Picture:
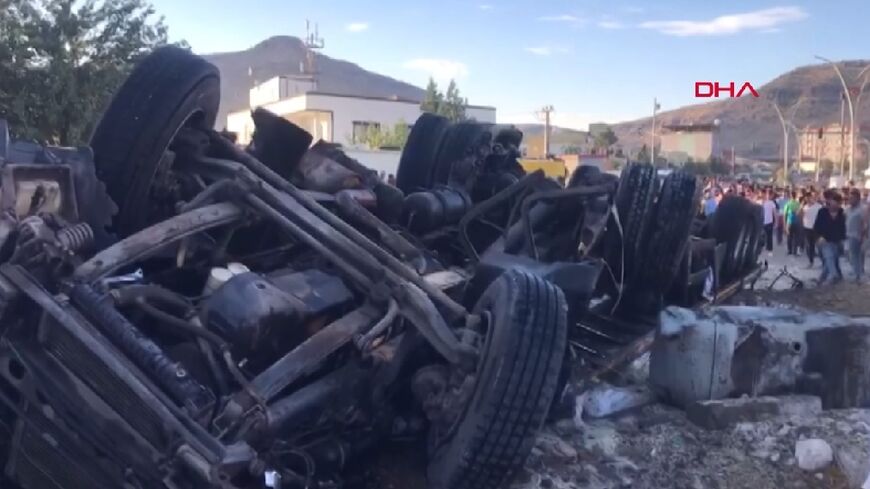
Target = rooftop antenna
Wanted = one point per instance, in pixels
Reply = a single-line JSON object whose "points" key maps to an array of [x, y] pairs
{"points": [[313, 43]]}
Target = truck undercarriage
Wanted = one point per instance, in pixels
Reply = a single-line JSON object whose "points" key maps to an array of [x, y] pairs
{"points": [[180, 312]]}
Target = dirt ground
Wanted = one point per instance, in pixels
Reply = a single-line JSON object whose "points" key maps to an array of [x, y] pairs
{"points": [[847, 297]]}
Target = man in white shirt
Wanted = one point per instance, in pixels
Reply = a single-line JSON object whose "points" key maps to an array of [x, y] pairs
{"points": [[811, 210], [769, 219]]}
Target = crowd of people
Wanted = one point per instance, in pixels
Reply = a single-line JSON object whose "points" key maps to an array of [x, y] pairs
{"points": [[828, 224]]}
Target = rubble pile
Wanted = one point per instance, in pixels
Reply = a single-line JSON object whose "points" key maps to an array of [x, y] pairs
{"points": [[657, 432]]}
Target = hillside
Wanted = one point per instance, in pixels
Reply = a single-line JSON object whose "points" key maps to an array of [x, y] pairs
{"points": [[750, 124], [283, 55]]}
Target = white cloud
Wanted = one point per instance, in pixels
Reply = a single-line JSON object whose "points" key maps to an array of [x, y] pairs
{"points": [[758, 20], [441, 70], [539, 50], [485, 6], [560, 18], [547, 49], [610, 24], [357, 27]]}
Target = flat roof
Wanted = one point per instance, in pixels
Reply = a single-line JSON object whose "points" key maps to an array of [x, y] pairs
{"points": [[361, 97], [691, 127]]}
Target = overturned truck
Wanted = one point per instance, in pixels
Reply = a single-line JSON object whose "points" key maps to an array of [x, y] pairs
{"points": [[179, 312]]}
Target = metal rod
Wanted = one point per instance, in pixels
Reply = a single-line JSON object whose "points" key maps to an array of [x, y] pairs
{"points": [[494, 201], [391, 239], [151, 240]]}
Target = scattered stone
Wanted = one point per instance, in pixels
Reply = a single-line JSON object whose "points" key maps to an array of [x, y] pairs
{"points": [[606, 400], [552, 445], [720, 414], [774, 458], [601, 438], [565, 426], [813, 454]]}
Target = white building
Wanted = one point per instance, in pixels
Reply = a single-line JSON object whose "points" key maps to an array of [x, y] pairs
{"points": [[329, 116]]}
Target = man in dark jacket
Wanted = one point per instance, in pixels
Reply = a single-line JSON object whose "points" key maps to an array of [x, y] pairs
{"points": [[831, 228]]}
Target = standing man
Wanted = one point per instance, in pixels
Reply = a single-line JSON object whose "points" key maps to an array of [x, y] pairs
{"points": [[831, 228], [811, 209], [780, 200], [792, 223], [856, 230], [769, 207], [711, 202]]}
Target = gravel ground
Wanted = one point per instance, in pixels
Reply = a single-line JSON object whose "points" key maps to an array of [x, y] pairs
{"points": [[658, 447]]}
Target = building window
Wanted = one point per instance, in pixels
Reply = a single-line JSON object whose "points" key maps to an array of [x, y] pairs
{"points": [[361, 128]]}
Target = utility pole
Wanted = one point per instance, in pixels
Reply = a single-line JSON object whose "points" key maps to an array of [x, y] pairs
{"points": [[545, 114], [848, 96], [652, 142], [733, 161]]}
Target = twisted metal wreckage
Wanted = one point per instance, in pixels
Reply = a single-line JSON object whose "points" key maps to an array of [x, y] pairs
{"points": [[180, 312]]}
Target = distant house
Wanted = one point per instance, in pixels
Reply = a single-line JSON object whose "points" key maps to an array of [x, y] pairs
{"points": [[831, 143], [681, 143], [332, 117]]}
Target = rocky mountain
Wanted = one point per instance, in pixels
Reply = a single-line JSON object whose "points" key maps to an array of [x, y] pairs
{"points": [[751, 125], [284, 55]]}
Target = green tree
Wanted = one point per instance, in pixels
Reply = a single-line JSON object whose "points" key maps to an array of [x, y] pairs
{"points": [[451, 105], [454, 103], [66, 59], [377, 137], [605, 139], [433, 100]]}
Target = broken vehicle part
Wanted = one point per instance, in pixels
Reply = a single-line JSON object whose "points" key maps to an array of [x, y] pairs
{"points": [[267, 313]]}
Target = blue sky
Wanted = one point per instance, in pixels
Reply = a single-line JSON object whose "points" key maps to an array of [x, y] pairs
{"points": [[591, 59]]}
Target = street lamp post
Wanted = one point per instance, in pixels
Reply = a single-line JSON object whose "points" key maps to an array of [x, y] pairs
{"points": [[866, 74], [784, 142], [851, 116], [652, 142], [786, 123], [866, 144]]}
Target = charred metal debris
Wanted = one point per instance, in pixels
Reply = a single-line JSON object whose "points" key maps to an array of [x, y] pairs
{"points": [[177, 311]]}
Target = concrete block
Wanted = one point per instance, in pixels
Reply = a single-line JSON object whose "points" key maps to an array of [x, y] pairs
{"points": [[722, 413]]}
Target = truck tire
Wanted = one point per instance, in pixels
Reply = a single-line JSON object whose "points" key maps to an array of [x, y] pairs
{"points": [[417, 162], [728, 225], [519, 367], [756, 242], [670, 231], [634, 202], [460, 140], [169, 89]]}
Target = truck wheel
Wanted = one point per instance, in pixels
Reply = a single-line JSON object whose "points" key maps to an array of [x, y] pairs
{"points": [[523, 341], [634, 202], [171, 88], [728, 226], [756, 219], [417, 162], [670, 231], [460, 140]]}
